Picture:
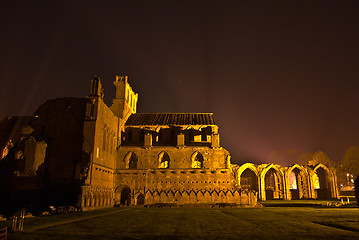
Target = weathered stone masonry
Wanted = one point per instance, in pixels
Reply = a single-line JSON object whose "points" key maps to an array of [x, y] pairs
{"points": [[87, 154]]}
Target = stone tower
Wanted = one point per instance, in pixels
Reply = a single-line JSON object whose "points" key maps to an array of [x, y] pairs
{"points": [[125, 101]]}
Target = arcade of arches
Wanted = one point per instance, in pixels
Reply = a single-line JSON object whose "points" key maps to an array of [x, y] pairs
{"points": [[255, 182], [288, 183]]}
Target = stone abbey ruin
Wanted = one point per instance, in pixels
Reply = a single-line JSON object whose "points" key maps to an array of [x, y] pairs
{"points": [[80, 152]]}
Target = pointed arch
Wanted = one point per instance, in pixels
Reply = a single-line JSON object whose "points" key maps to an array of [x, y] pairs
{"points": [[171, 196], [139, 199], [185, 197], [156, 196], [197, 160], [131, 160], [248, 176], [272, 183], [297, 182], [163, 160], [192, 196], [325, 187], [123, 195]]}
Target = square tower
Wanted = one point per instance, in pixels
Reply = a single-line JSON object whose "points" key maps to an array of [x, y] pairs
{"points": [[125, 101]]}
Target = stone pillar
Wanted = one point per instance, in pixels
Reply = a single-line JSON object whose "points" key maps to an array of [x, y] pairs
{"points": [[215, 140], [180, 140], [148, 140]]}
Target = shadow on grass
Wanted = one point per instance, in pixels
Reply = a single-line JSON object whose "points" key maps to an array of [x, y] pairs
{"points": [[336, 225]]}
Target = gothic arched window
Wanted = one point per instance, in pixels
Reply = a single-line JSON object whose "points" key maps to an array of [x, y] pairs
{"points": [[131, 160], [164, 160], [197, 160]]}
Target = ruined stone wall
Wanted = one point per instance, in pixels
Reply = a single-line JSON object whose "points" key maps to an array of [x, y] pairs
{"points": [[175, 179], [60, 123], [273, 181], [182, 186], [100, 147], [105, 135], [34, 155], [179, 157]]}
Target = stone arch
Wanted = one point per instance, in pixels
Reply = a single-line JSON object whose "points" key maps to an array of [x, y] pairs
{"points": [[178, 196], [149, 197], [229, 195], [215, 196], [163, 160], [91, 200], [200, 197], [297, 180], [163, 196], [86, 201], [171, 196], [108, 197], [248, 176], [123, 195], [207, 197], [244, 197], [236, 196], [99, 197], [222, 196], [185, 197], [95, 204], [272, 183], [325, 188], [192, 197], [139, 199], [156, 197], [131, 160], [105, 198], [197, 160]]}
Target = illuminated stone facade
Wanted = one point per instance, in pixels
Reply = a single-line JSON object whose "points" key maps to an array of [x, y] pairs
{"points": [[81, 152], [273, 181], [154, 158]]}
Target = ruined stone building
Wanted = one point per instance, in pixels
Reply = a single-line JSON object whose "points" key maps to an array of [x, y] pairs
{"points": [[79, 151]]}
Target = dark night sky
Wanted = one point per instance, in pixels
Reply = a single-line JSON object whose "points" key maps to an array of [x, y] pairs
{"points": [[276, 75]]}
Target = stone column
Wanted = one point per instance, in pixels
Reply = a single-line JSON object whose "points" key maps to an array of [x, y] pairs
{"points": [[180, 140], [148, 140], [215, 140]]}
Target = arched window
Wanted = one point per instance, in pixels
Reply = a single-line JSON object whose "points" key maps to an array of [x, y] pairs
{"points": [[164, 160], [273, 184], [197, 160], [131, 160], [249, 180]]}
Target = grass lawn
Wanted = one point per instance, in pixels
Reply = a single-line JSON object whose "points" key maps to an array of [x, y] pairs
{"points": [[196, 223]]}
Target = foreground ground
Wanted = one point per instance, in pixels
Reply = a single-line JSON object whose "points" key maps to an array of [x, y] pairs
{"points": [[196, 223]]}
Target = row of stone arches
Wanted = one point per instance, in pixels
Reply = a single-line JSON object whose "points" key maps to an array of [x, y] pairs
{"points": [[97, 200], [295, 182], [124, 196], [131, 160]]}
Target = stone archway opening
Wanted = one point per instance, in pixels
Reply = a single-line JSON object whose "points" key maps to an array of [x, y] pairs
{"points": [[249, 180], [273, 185], [323, 190], [123, 196], [140, 199], [298, 184]]}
